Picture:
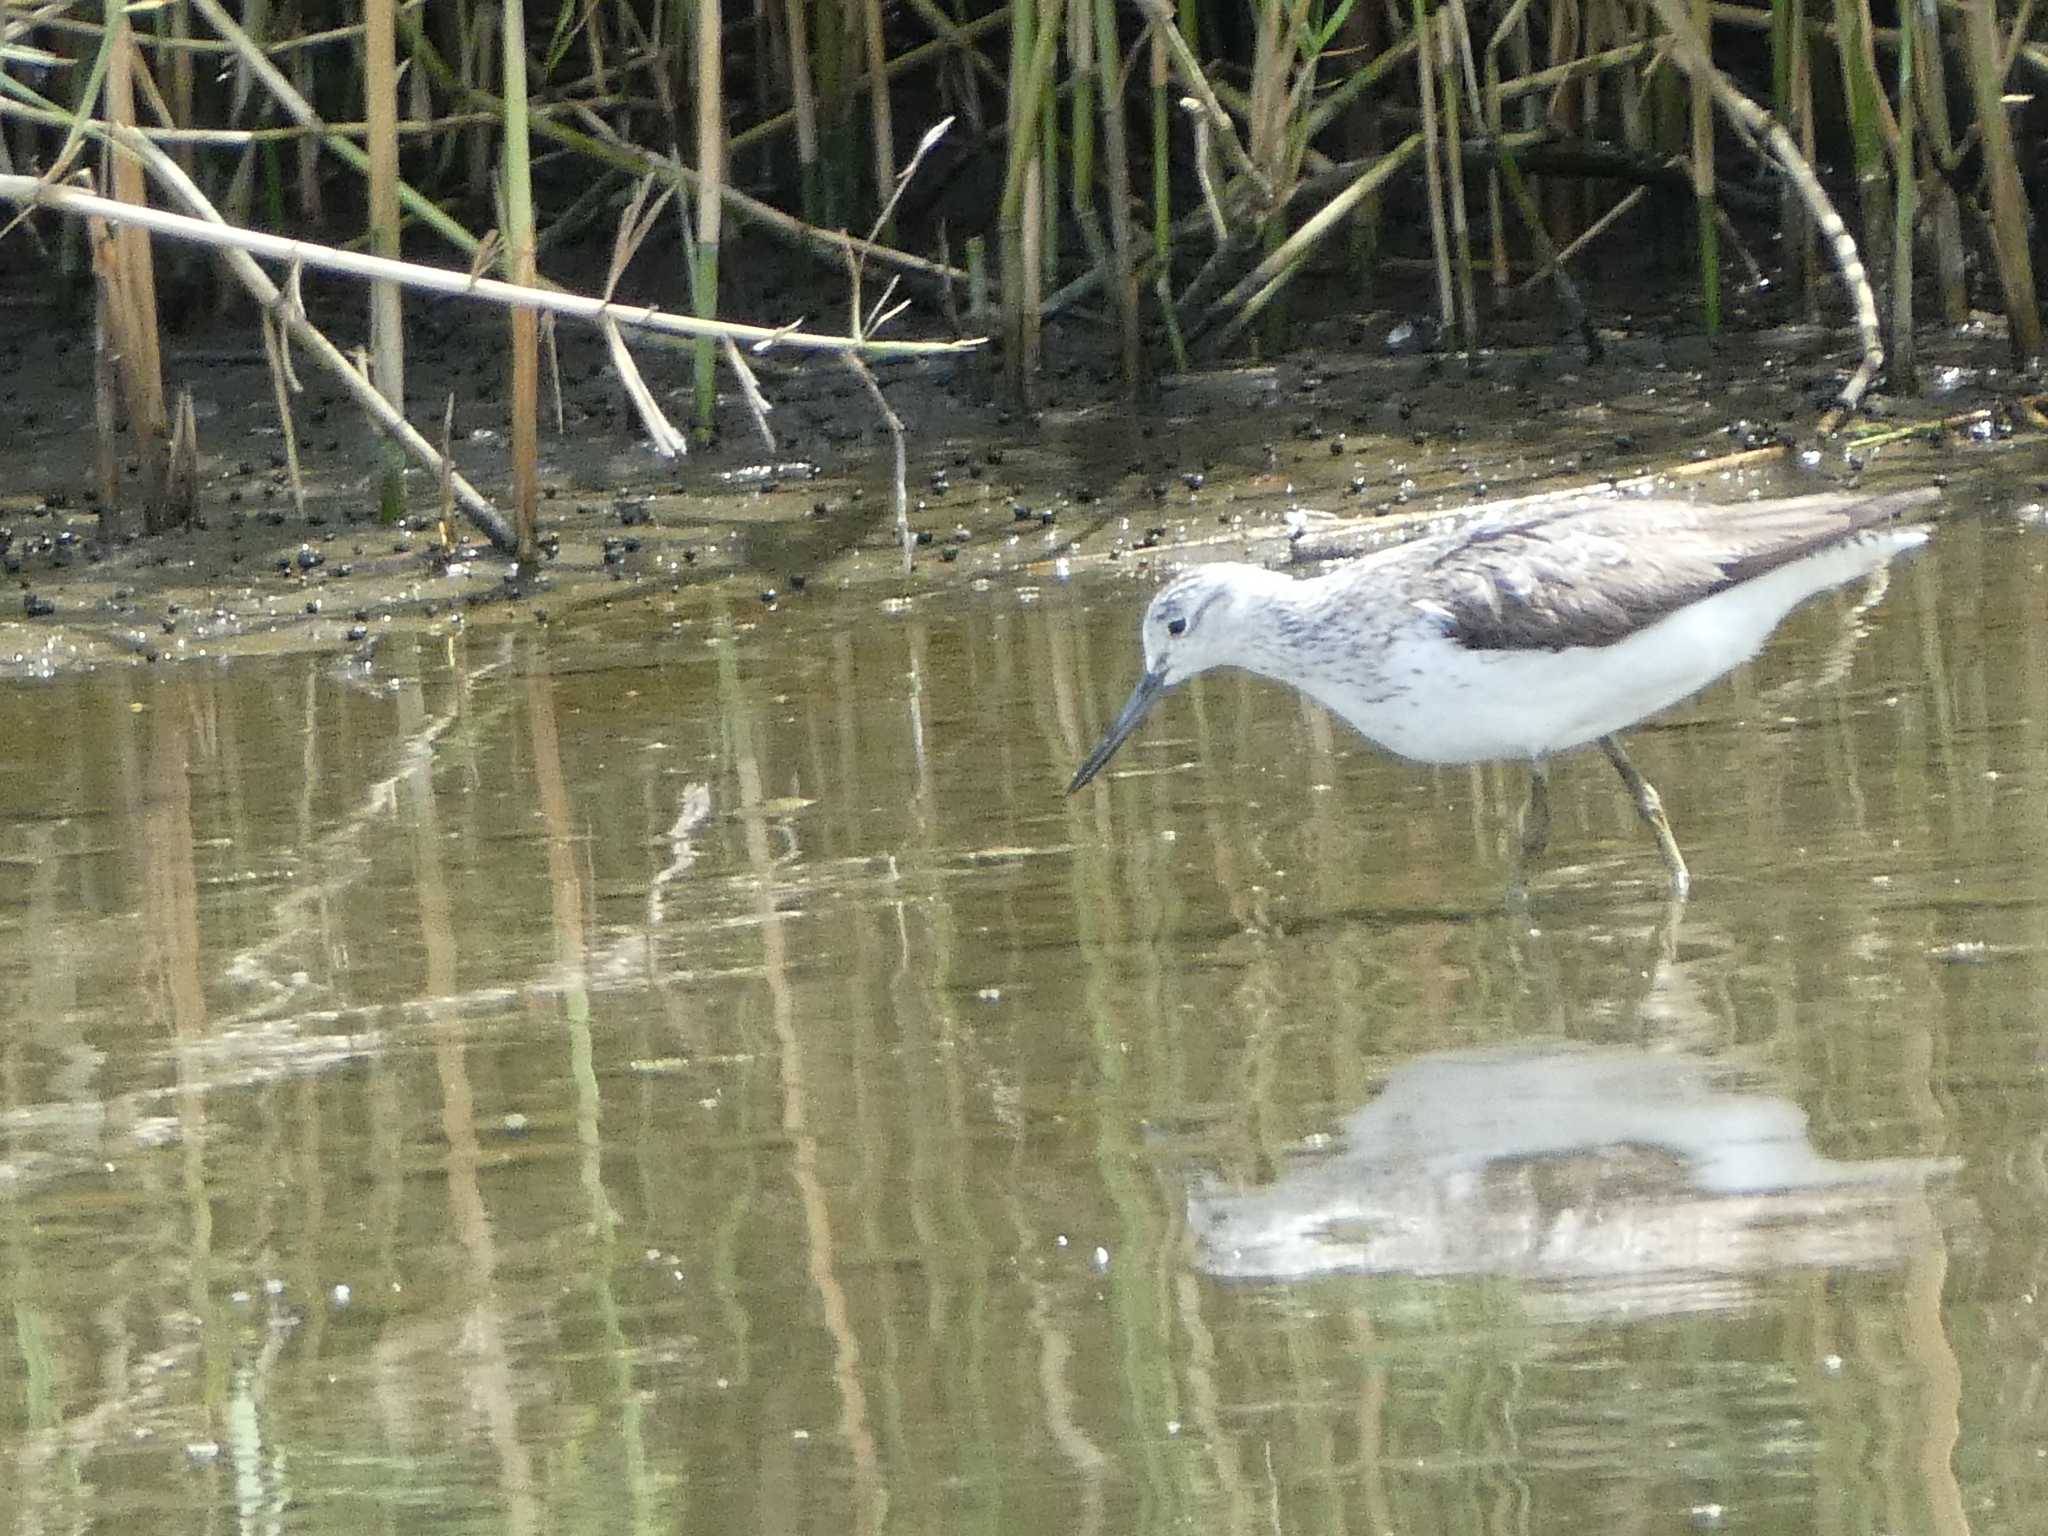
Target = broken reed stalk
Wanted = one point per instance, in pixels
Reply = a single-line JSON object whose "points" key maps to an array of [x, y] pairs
{"points": [[634, 226], [207, 228], [710, 72], [2008, 199], [387, 317], [516, 185]]}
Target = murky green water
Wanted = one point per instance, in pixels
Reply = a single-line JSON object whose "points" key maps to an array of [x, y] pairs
{"points": [[693, 1070]]}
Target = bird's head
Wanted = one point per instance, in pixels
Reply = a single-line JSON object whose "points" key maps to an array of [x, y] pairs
{"points": [[1187, 630]]}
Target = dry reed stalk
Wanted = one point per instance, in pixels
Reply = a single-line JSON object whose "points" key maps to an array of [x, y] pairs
{"points": [[1701, 158], [445, 481], [899, 479], [1806, 233], [1557, 259], [757, 404], [284, 384], [387, 315], [1905, 359], [1425, 79], [312, 207], [2008, 198], [114, 525], [210, 230], [1085, 84], [1123, 237], [981, 315], [1047, 271], [181, 488], [517, 185], [1563, 49], [1255, 290], [710, 90], [803, 107], [134, 320], [634, 226], [1456, 44], [1490, 116], [1553, 77], [881, 125], [1937, 148]]}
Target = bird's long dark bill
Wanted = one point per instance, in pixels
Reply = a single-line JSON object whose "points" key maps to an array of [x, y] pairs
{"points": [[1150, 686]]}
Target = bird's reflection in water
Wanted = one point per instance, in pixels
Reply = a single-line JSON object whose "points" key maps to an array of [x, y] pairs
{"points": [[1636, 1180]]}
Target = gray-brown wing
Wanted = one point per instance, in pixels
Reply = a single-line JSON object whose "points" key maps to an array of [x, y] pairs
{"points": [[1592, 573]]}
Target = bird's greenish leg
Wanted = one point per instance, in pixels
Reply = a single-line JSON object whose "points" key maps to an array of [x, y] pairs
{"points": [[1651, 809], [1532, 832], [1535, 823]]}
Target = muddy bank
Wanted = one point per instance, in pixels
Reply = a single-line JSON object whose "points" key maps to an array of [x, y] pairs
{"points": [[1355, 421]]}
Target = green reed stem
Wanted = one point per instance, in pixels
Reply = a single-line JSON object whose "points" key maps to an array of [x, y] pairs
{"points": [[1870, 127]]}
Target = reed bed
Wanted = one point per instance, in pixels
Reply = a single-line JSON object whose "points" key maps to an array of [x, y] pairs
{"points": [[1155, 178]]}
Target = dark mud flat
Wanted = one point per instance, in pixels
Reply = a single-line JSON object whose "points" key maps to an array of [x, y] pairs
{"points": [[1349, 424]]}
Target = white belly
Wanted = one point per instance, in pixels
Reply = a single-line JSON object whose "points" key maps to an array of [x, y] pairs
{"points": [[1453, 705]]}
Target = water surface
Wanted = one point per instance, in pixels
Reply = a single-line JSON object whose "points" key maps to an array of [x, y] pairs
{"points": [[690, 1067]]}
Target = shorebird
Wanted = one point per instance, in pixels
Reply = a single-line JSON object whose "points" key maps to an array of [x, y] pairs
{"points": [[1523, 632]]}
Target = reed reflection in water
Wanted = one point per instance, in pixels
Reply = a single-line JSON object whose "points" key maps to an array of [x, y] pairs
{"points": [[698, 1066]]}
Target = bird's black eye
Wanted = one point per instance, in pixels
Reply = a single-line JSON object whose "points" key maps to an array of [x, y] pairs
{"points": [[1177, 625]]}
